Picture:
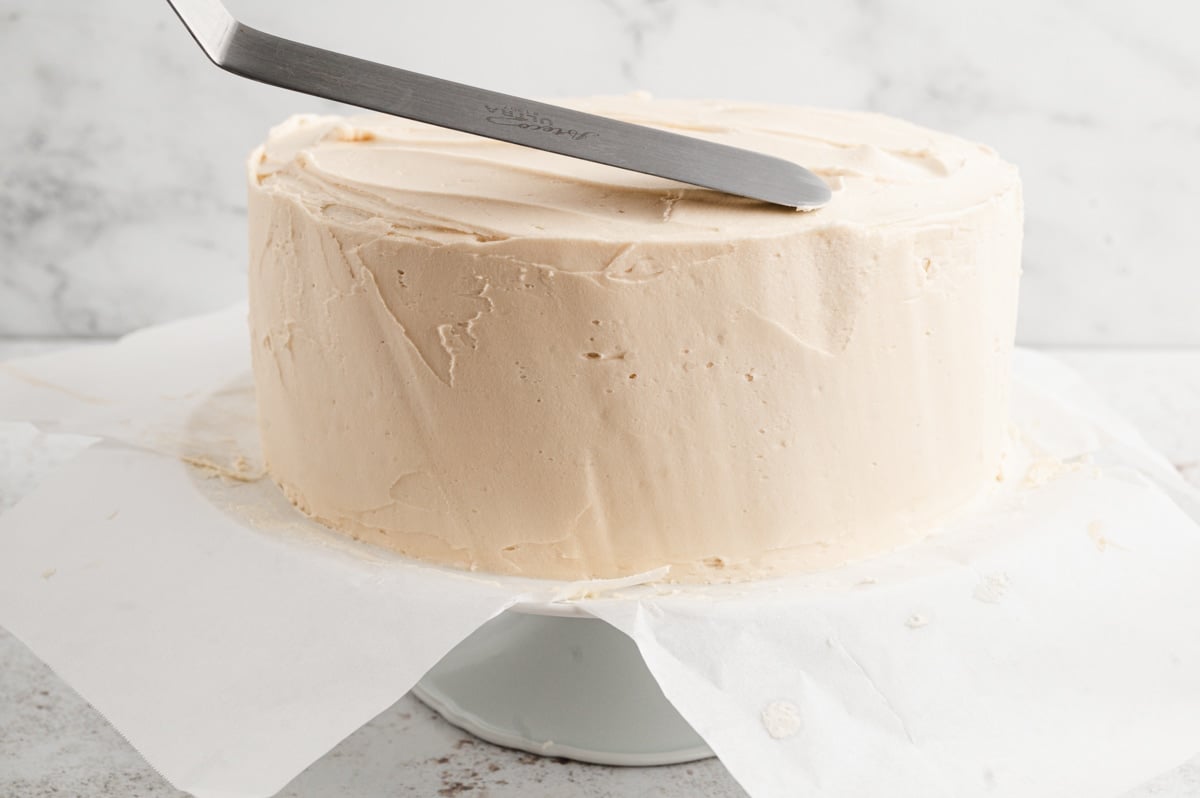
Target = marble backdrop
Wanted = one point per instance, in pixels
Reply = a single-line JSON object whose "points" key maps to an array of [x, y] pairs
{"points": [[121, 195]]}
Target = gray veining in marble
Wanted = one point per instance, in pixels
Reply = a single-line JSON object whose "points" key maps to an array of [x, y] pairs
{"points": [[121, 196]]}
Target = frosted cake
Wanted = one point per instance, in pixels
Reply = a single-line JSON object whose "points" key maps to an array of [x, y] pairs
{"points": [[505, 360]]}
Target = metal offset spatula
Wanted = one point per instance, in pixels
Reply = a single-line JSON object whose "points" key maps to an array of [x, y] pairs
{"points": [[269, 59]]}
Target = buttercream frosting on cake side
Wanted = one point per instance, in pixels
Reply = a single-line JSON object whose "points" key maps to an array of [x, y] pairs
{"points": [[502, 359]]}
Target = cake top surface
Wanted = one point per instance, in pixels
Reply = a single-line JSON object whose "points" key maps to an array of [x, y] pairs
{"points": [[451, 185]]}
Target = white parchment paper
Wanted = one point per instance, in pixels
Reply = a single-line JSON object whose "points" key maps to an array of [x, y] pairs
{"points": [[1045, 643]]}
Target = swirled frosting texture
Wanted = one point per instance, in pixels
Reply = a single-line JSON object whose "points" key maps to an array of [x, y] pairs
{"points": [[507, 360]]}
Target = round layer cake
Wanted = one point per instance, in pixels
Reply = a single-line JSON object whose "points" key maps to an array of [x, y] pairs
{"points": [[500, 359]]}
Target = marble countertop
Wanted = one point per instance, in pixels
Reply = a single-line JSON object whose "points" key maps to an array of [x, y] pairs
{"points": [[54, 743]]}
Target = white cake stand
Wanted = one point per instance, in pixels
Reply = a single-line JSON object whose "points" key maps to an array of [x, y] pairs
{"points": [[554, 681]]}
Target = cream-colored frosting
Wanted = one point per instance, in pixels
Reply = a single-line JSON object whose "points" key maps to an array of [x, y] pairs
{"points": [[507, 360]]}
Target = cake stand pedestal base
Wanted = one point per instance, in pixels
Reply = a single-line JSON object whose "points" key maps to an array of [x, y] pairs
{"points": [[559, 685]]}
